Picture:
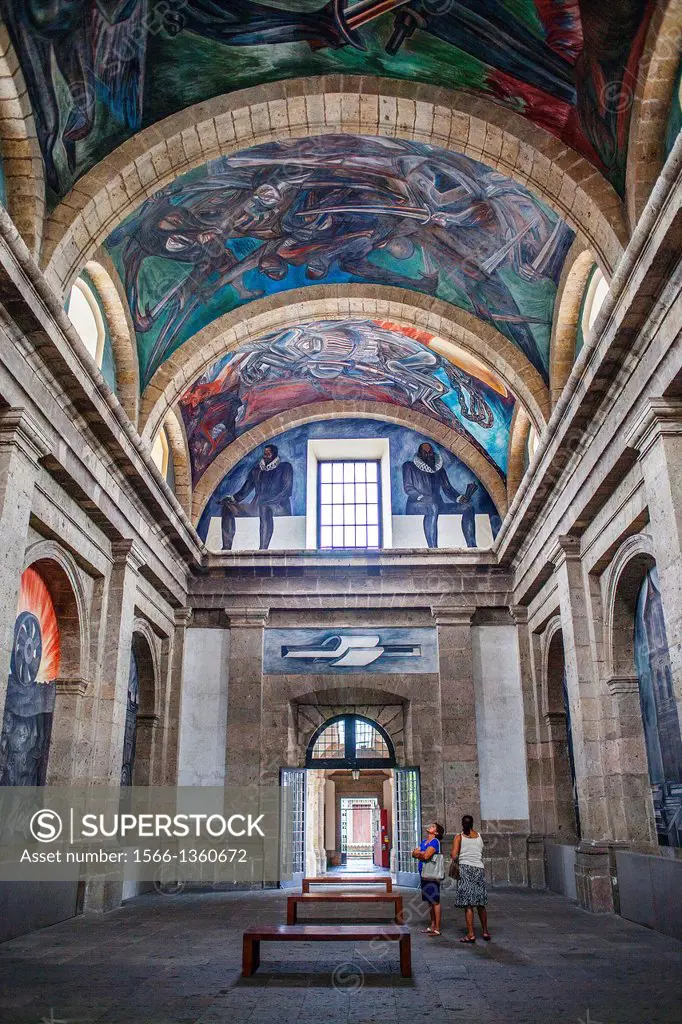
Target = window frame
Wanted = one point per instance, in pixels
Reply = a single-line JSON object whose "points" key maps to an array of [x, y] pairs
{"points": [[380, 505], [350, 759], [86, 290], [348, 449]]}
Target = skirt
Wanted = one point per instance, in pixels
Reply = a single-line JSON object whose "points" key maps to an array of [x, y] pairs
{"points": [[471, 888], [430, 890]]}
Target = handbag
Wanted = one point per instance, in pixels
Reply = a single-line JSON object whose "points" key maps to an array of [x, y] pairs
{"points": [[433, 869], [453, 871]]}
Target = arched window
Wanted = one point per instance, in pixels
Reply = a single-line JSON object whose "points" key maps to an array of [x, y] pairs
{"points": [[85, 315], [597, 290], [161, 452], [350, 741]]}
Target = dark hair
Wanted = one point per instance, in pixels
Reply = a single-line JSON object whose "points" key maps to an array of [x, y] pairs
{"points": [[273, 447], [467, 823], [440, 831]]}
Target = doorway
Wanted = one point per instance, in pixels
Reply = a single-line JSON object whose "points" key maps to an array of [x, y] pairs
{"points": [[351, 809]]}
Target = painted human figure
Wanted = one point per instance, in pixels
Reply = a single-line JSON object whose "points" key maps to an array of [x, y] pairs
{"points": [[270, 481], [425, 482]]}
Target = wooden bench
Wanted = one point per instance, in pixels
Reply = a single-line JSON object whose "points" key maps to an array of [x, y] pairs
{"points": [[348, 880], [256, 934], [344, 897]]}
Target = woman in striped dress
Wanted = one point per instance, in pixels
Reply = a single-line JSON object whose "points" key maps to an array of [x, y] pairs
{"points": [[467, 850]]}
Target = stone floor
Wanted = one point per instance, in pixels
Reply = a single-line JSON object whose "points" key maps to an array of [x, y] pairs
{"points": [[166, 960]]}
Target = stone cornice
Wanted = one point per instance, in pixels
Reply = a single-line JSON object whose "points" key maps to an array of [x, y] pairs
{"points": [[76, 686], [248, 618], [453, 615], [622, 685], [563, 549], [18, 429], [660, 417], [182, 617], [127, 551]]}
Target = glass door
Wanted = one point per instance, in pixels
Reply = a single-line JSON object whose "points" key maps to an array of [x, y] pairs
{"points": [[292, 826], [407, 818]]}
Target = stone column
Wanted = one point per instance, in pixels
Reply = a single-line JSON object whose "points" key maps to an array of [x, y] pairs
{"points": [[657, 436], [22, 445], [530, 721], [461, 789], [563, 809], [66, 728], [638, 824], [245, 687], [594, 858], [117, 643], [173, 701]]}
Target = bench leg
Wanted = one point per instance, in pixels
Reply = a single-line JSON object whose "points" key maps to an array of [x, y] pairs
{"points": [[250, 956], [305, 887], [405, 956], [389, 885], [291, 910], [399, 910]]}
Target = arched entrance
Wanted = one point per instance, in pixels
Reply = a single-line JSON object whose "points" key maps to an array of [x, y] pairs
{"points": [[351, 808]]}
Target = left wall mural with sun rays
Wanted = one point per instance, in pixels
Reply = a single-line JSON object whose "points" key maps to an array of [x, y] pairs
{"points": [[29, 705], [334, 210], [346, 360]]}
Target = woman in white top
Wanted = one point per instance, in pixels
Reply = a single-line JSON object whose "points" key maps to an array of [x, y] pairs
{"points": [[467, 850]]}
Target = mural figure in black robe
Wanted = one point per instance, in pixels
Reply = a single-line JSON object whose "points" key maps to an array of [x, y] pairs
{"points": [[270, 481], [426, 481]]}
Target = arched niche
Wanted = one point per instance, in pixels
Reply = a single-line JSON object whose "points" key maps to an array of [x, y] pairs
{"points": [[563, 802], [140, 733]]}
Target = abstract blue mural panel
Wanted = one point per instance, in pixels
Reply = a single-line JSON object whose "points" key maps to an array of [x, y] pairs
{"points": [[383, 649]]}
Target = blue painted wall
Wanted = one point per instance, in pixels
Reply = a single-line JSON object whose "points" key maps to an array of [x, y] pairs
{"points": [[293, 448]]}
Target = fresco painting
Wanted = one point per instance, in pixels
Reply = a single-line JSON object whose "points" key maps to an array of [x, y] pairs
{"points": [[345, 359], [29, 705], [382, 649], [98, 71], [292, 451], [339, 209], [659, 711]]}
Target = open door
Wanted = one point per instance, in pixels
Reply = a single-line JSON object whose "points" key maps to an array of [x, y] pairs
{"points": [[292, 827], [407, 824]]}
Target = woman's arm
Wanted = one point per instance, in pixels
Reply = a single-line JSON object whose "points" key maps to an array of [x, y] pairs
{"points": [[456, 846]]}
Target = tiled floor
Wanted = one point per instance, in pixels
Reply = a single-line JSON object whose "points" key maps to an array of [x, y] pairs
{"points": [[167, 960]]}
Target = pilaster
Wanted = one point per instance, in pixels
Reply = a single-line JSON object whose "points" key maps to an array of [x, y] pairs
{"points": [[461, 786], [245, 696], [582, 687]]}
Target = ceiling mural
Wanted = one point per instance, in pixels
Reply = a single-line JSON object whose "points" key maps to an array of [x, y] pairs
{"points": [[99, 71], [339, 209], [352, 360]]}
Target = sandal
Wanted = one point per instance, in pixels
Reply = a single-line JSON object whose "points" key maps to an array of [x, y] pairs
{"points": [[486, 936], [426, 931], [434, 933], [468, 940]]}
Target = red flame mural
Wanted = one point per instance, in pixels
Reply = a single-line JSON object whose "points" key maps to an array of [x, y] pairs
{"points": [[34, 597]]}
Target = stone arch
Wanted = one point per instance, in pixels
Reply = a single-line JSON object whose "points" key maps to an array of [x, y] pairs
{"points": [[445, 436], [518, 442], [104, 278], [62, 578], [626, 573], [179, 452], [21, 156], [319, 302], [311, 709], [574, 278], [60, 574], [656, 76], [562, 807], [621, 587], [331, 104], [145, 650]]}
